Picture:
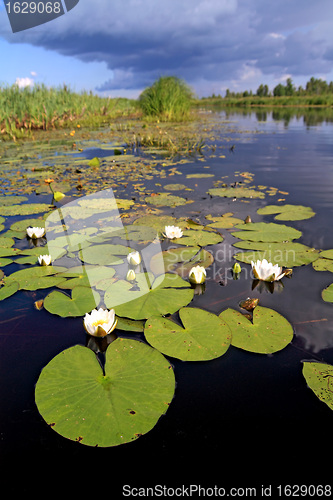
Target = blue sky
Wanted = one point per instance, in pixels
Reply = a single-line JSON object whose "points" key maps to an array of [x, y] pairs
{"points": [[118, 47]]}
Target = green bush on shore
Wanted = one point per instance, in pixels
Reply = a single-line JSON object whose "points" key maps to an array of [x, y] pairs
{"points": [[168, 99]]}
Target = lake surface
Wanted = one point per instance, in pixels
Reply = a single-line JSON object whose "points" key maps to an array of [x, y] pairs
{"points": [[241, 420]]}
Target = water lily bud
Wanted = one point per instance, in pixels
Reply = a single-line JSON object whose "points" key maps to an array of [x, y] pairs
{"points": [[134, 258], [35, 232], [130, 275], [100, 322], [236, 268], [197, 275], [172, 232], [247, 220], [44, 260]]}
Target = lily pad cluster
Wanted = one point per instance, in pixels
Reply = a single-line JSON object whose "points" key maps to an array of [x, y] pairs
{"points": [[111, 403]]}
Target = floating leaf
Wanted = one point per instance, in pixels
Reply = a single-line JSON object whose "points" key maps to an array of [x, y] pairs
{"points": [[27, 209], [266, 231], [327, 293], [8, 290], [203, 335], [180, 260], [287, 254], [34, 278], [99, 277], [198, 237], [105, 254], [319, 377], [224, 222], [287, 212], [174, 187], [267, 333], [198, 176], [167, 199], [22, 225], [238, 192], [325, 261], [163, 295], [82, 300], [82, 404]]}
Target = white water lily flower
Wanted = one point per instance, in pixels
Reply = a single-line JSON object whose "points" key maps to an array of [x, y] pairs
{"points": [[134, 258], [266, 271], [44, 260], [35, 232], [197, 275], [172, 232], [100, 322]]}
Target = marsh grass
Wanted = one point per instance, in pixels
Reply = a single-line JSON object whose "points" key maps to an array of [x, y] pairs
{"points": [[168, 99], [42, 108]]}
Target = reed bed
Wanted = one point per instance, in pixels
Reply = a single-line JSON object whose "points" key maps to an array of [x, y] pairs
{"points": [[39, 107]]}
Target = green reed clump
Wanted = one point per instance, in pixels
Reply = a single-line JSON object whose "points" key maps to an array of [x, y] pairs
{"points": [[40, 107], [168, 99]]}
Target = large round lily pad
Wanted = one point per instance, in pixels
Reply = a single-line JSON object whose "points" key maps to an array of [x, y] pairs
{"points": [[288, 254], [82, 300], [266, 231], [203, 335], [164, 295], [287, 212], [82, 404], [268, 331]]}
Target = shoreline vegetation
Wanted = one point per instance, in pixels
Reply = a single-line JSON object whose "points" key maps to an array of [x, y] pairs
{"points": [[24, 111]]}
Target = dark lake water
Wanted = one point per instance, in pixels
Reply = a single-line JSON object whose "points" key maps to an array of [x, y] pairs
{"points": [[242, 420]]}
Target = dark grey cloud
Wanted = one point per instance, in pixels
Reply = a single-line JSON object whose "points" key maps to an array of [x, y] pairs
{"points": [[199, 40]]}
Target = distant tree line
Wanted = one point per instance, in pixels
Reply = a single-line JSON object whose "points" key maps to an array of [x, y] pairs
{"points": [[315, 86]]}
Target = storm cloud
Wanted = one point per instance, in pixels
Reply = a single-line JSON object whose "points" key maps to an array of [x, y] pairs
{"points": [[207, 42]]}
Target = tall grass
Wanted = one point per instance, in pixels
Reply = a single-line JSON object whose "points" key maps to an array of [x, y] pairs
{"points": [[39, 107], [168, 99]]}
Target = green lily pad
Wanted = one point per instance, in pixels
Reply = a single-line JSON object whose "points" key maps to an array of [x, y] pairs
{"points": [[203, 336], [180, 260], [167, 199], [82, 404], [26, 209], [174, 187], [105, 254], [198, 176], [99, 277], [225, 222], [287, 212], [325, 261], [198, 237], [238, 192], [287, 254], [34, 278], [6, 242], [163, 295], [319, 377], [327, 293], [266, 231], [11, 200], [268, 332], [8, 290], [82, 300]]}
